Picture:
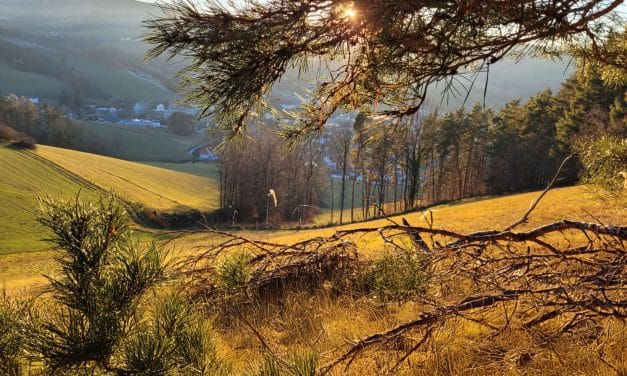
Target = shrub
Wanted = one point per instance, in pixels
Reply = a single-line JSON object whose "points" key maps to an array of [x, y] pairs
{"points": [[178, 339], [7, 133], [396, 276], [16, 139], [11, 341], [604, 161], [233, 272], [25, 142], [297, 364], [104, 274]]}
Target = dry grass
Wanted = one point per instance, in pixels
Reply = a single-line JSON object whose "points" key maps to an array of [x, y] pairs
{"points": [[327, 324], [573, 203]]}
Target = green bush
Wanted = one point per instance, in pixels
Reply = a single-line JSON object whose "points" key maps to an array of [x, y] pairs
{"points": [[233, 272], [605, 163], [11, 341], [104, 274], [396, 276], [297, 364], [177, 340]]}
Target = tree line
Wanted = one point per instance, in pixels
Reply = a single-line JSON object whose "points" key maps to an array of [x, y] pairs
{"points": [[426, 158]]}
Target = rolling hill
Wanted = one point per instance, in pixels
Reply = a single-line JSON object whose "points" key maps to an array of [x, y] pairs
{"points": [[89, 49], [24, 177], [149, 186], [142, 144], [21, 270], [65, 173]]}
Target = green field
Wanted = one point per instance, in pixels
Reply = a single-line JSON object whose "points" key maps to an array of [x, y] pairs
{"points": [[59, 172], [143, 144], [24, 178], [150, 186]]}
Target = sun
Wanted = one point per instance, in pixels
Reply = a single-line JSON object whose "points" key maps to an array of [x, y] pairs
{"points": [[350, 13]]}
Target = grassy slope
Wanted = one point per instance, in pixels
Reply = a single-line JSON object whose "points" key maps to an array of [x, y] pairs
{"points": [[27, 83], [26, 175], [24, 178], [478, 214], [149, 186], [142, 144], [331, 323], [460, 347]]}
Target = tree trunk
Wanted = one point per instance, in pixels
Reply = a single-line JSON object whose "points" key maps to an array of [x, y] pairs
{"points": [[345, 157]]}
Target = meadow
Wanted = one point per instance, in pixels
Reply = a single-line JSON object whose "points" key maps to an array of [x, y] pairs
{"points": [[64, 173], [311, 324], [151, 187], [574, 203], [24, 178], [142, 144]]}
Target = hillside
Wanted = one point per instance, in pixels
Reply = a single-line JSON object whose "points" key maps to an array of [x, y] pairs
{"points": [[149, 186], [24, 178], [471, 215], [64, 173], [141, 144], [334, 320], [79, 50]]}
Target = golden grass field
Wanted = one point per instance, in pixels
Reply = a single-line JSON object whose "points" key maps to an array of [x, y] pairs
{"points": [[574, 203], [63, 173], [326, 324]]}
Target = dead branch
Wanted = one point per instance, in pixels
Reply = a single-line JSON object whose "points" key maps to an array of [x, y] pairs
{"points": [[535, 202], [566, 271]]}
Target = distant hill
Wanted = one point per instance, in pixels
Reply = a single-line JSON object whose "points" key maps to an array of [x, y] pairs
{"points": [[507, 80], [87, 49], [141, 144]]}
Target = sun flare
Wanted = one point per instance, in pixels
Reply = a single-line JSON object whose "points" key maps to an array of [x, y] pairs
{"points": [[350, 13]]}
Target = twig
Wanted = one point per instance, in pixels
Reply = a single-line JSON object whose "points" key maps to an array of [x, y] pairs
{"points": [[535, 202]]}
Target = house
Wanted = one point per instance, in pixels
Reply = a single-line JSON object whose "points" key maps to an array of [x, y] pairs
{"points": [[142, 123], [203, 153]]}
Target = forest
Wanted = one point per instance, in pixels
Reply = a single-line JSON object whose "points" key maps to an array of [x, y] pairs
{"points": [[384, 167]]}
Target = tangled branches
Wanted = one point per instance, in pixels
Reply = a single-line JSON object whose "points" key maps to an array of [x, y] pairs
{"points": [[385, 52], [557, 277], [547, 274], [258, 270]]}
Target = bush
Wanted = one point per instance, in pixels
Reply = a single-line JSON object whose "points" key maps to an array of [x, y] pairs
{"points": [[396, 277], [178, 339], [605, 162], [16, 139], [25, 142], [233, 272], [7, 133], [297, 364], [11, 341]]}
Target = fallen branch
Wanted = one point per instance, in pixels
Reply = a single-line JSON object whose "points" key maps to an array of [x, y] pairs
{"points": [[547, 278], [535, 202]]}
